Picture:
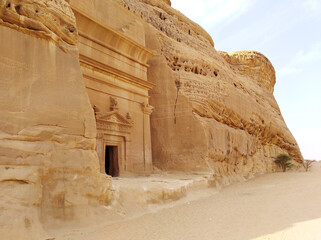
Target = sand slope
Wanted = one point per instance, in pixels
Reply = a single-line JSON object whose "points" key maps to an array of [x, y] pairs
{"points": [[279, 206]]}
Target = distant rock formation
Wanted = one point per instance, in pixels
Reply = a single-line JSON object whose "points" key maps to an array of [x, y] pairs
{"points": [[48, 164]]}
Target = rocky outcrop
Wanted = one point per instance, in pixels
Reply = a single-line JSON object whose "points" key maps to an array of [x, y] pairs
{"points": [[49, 171], [214, 111], [252, 65], [52, 20]]}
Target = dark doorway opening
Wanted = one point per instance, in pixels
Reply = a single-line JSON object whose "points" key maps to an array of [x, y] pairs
{"points": [[111, 161]]}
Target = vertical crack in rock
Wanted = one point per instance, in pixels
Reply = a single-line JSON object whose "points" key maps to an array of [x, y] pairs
{"points": [[178, 86]]}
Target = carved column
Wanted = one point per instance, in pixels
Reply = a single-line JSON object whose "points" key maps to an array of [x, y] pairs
{"points": [[147, 110], [100, 150]]}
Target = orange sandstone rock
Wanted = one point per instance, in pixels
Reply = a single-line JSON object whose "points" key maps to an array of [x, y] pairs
{"points": [[214, 111]]}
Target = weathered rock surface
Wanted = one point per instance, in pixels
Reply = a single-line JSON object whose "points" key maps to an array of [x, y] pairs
{"points": [[49, 170], [214, 111], [52, 20]]}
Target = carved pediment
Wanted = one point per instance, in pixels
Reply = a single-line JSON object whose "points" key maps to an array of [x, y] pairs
{"points": [[113, 117], [113, 121]]}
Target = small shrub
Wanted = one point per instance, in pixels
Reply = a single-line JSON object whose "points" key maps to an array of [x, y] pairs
{"points": [[307, 164], [284, 161]]}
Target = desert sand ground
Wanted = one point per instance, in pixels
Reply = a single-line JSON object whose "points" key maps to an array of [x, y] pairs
{"points": [[278, 206]]}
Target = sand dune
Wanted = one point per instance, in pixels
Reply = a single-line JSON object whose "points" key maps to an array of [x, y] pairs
{"points": [[278, 206]]}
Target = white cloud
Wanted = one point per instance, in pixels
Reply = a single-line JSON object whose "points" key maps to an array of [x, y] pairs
{"points": [[209, 13], [302, 58], [191, 9], [312, 5], [288, 70], [309, 140], [308, 8], [311, 56]]}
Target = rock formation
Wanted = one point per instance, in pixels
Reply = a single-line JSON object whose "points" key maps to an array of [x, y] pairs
{"points": [[214, 111], [48, 165]]}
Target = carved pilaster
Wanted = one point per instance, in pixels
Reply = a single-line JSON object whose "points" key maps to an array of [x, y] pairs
{"points": [[100, 135], [147, 109]]}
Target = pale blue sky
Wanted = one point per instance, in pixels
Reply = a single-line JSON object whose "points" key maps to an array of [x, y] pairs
{"points": [[288, 32]]}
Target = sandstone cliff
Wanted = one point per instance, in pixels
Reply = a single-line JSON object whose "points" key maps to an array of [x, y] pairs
{"points": [[48, 165], [214, 111]]}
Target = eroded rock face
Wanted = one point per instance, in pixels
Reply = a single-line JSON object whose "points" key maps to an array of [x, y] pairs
{"points": [[253, 65], [49, 19], [214, 111], [49, 170]]}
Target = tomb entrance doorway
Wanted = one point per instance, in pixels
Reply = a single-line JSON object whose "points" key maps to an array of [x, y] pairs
{"points": [[111, 161]]}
